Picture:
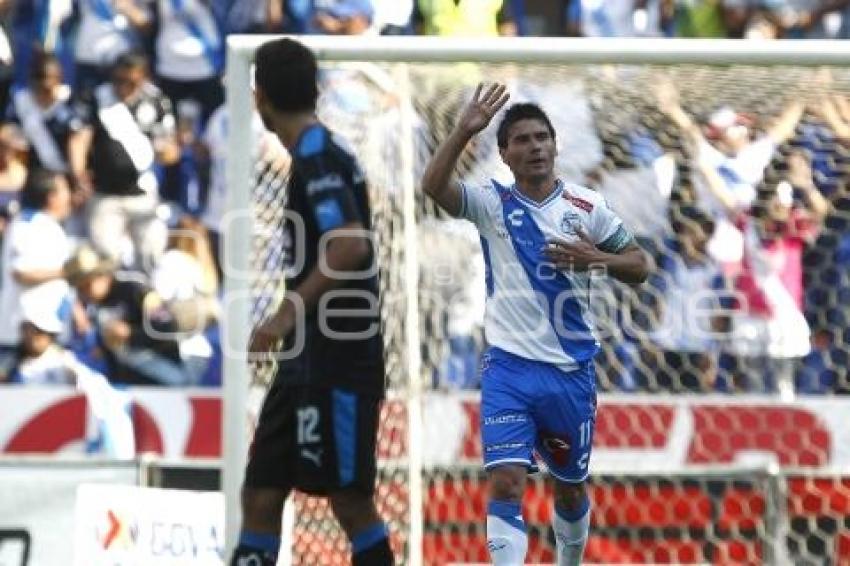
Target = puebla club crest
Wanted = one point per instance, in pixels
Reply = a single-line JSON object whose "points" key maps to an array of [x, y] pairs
{"points": [[569, 222]]}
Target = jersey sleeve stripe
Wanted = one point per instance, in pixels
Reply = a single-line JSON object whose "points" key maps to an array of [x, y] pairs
{"points": [[617, 242]]}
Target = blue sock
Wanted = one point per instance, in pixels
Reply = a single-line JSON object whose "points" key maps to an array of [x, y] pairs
{"points": [[261, 547], [371, 547]]}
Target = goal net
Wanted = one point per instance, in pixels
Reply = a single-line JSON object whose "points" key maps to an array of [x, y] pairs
{"points": [[676, 477]]}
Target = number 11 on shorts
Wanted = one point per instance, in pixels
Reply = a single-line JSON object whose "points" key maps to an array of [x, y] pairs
{"points": [[585, 433]]}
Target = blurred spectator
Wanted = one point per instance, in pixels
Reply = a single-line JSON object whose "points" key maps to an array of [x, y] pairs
{"points": [[820, 368], [187, 281], [136, 331], [129, 124], [835, 111], [705, 18], [691, 290], [725, 144], [45, 114], [452, 283], [813, 19], [13, 171], [186, 270], [770, 329], [613, 18], [7, 57], [189, 54], [466, 18], [107, 30], [214, 142], [250, 16], [392, 17], [40, 360], [646, 209], [338, 17], [760, 25], [181, 182], [824, 136], [42, 26], [34, 251]]}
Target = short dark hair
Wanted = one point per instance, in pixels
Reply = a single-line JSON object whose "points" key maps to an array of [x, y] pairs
{"points": [[517, 112], [134, 59], [39, 185], [40, 62], [287, 73]]}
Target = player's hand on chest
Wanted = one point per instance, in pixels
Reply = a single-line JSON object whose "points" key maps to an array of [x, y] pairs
{"points": [[572, 252]]}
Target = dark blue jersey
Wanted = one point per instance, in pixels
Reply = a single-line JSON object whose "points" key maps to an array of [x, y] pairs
{"points": [[342, 343]]}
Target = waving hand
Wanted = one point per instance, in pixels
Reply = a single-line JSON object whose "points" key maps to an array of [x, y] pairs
{"points": [[483, 106]]}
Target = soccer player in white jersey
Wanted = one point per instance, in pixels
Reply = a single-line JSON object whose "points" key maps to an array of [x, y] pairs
{"points": [[540, 239]]}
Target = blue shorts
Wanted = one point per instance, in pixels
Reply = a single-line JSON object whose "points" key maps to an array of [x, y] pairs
{"points": [[529, 406]]}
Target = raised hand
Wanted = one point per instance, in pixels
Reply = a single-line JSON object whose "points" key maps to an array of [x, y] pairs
{"points": [[799, 170], [666, 94], [483, 106]]}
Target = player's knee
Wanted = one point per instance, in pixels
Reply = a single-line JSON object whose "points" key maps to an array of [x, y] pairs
{"points": [[262, 509], [570, 496], [507, 483], [355, 511]]}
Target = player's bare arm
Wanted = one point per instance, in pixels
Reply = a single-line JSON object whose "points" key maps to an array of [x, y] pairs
{"points": [[630, 265], [345, 252], [437, 179]]}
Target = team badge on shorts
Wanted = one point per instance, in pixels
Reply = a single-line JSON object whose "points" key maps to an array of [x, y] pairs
{"points": [[557, 447]]}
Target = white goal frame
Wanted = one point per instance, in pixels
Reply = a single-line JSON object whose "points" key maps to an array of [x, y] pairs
{"points": [[237, 247]]}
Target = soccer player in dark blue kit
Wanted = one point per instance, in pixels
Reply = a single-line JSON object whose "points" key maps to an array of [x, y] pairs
{"points": [[318, 425]]}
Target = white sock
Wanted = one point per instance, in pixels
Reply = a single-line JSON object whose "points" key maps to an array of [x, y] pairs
{"points": [[507, 540], [571, 533]]}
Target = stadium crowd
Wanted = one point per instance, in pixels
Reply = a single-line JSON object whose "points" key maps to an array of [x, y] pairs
{"points": [[112, 190]]}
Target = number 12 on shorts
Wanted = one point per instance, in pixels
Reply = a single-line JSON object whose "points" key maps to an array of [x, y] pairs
{"points": [[308, 424]]}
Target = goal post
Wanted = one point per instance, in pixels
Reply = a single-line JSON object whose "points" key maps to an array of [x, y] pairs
{"points": [[413, 325]]}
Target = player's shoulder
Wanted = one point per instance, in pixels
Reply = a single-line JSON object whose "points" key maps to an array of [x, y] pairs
{"points": [[312, 143], [490, 187], [583, 197], [318, 143], [488, 192]]}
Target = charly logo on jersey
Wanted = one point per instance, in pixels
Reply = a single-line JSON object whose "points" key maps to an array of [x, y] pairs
{"points": [[515, 217], [570, 222]]}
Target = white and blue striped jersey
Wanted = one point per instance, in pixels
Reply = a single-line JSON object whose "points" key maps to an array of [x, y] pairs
{"points": [[533, 310]]}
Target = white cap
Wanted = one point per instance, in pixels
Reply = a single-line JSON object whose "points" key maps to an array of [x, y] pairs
{"points": [[723, 118], [44, 316]]}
